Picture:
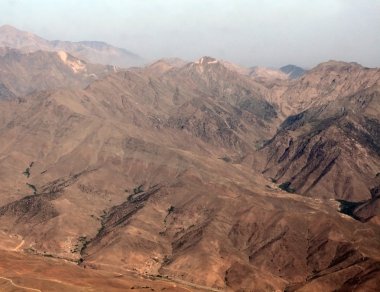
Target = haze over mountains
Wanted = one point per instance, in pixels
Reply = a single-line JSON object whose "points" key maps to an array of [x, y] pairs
{"points": [[198, 175], [89, 51], [24, 73]]}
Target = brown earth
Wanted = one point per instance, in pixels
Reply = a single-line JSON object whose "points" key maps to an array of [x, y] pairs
{"points": [[158, 171]]}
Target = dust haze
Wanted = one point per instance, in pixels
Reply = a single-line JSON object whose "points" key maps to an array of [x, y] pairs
{"points": [[247, 32]]}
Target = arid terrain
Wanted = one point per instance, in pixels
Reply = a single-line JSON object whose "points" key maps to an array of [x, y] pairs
{"points": [[186, 176]]}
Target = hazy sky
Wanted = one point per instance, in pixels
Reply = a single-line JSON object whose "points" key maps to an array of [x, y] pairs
{"points": [[248, 32]]}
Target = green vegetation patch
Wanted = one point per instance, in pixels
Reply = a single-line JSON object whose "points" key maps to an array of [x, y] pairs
{"points": [[286, 186], [33, 187], [138, 190], [225, 158], [27, 172], [348, 208], [171, 209]]}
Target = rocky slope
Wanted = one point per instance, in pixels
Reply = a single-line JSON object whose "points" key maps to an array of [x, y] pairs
{"points": [[322, 84], [156, 171], [329, 151]]}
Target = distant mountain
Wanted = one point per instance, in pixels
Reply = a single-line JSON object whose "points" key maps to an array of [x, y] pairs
{"points": [[90, 51], [161, 66], [266, 75], [293, 71], [237, 68], [23, 73]]}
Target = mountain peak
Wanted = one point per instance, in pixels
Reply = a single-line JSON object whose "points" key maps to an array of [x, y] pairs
{"points": [[174, 62], [7, 27], [337, 64], [293, 71], [267, 74], [207, 60]]}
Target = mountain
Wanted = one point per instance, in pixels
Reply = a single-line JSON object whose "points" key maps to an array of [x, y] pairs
{"points": [[17, 39], [329, 147], [24, 73], [263, 73], [153, 177], [99, 52], [234, 67], [293, 71], [330, 151], [142, 152], [321, 85], [89, 51], [161, 66], [330, 80]]}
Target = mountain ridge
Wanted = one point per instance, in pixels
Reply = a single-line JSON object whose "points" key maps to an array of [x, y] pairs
{"points": [[23, 73], [91, 51]]}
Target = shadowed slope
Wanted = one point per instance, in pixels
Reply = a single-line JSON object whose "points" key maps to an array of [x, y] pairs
{"points": [[331, 150]]}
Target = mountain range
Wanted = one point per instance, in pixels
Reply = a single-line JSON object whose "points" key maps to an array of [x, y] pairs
{"points": [[89, 51], [187, 176], [24, 73]]}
